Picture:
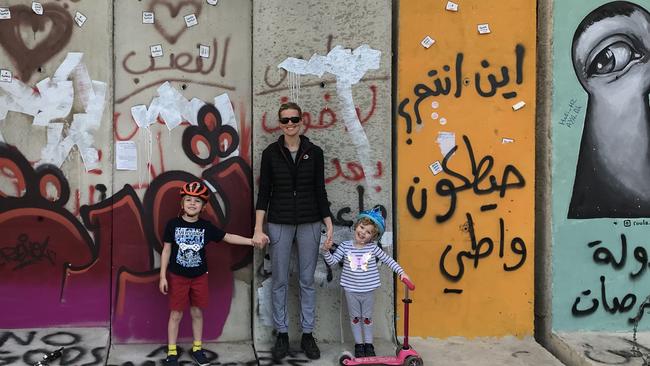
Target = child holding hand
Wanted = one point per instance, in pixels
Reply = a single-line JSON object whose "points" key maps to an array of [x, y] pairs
{"points": [[360, 276]]}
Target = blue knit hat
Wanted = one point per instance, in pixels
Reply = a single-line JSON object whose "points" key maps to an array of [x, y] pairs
{"points": [[375, 216]]}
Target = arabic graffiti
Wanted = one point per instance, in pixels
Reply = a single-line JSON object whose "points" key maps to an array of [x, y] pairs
{"points": [[481, 182], [444, 85], [327, 117], [602, 255]]}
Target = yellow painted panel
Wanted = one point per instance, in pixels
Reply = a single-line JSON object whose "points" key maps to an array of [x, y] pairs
{"points": [[469, 245]]}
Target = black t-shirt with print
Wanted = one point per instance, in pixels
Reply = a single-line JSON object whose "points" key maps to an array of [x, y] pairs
{"points": [[188, 241]]}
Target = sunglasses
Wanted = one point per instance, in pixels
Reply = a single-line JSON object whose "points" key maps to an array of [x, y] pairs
{"points": [[285, 120]]}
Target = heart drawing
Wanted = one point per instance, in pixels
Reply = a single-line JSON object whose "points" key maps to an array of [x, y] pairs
{"points": [[54, 27], [174, 8]]}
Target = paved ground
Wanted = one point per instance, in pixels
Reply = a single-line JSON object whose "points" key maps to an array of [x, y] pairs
{"points": [[88, 346], [588, 348]]}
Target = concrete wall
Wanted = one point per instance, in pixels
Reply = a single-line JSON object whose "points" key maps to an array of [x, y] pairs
{"points": [[81, 238], [599, 125], [301, 29], [466, 165], [49, 262]]}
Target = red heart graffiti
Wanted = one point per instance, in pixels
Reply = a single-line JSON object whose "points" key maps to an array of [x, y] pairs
{"points": [[28, 59], [174, 10]]}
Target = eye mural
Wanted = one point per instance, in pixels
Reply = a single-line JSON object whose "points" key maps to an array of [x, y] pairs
{"points": [[610, 52]]}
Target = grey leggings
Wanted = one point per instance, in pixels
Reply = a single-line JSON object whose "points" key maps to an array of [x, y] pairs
{"points": [[360, 307], [307, 237]]}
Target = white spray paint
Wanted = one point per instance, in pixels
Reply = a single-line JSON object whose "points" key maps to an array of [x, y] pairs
{"points": [[349, 67]]}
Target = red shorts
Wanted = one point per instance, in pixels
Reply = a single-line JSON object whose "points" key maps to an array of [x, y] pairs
{"points": [[184, 291]]}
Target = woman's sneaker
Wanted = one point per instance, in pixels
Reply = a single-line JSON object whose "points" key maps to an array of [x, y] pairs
{"points": [[199, 358], [369, 349], [308, 345], [359, 350], [281, 347]]}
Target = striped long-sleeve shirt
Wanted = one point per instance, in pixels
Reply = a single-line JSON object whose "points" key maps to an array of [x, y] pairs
{"points": [[360, 273]]}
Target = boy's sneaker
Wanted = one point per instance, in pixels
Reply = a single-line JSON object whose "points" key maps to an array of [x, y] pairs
{"points": [[281, 347], [359, 350], [369, 349], [171, 360], [308, 345], [199, 358]]}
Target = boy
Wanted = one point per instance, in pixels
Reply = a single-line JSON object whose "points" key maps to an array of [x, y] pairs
{"points": [[360, 276], [184, 243]]}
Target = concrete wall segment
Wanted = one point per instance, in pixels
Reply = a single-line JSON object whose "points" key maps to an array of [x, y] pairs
{"points": [[300, 29]]}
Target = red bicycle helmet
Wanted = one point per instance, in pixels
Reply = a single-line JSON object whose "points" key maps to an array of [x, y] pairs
{"points": [[196, 189]]}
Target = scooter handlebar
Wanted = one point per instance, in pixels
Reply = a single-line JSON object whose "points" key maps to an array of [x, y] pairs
{"points": [[408, 283]]}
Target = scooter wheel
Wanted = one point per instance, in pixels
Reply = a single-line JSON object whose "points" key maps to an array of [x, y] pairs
{"points": [[345, 356], [413, 361]]}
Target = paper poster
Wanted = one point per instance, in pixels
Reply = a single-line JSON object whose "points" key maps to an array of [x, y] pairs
{"points": [[37, 8], [5, 76], [483, 28], [5, 13], [79, 18], [147, 17], [126, 155], [204, 51], [451, 6], [156, 50], [427, 42], [190, 20]]}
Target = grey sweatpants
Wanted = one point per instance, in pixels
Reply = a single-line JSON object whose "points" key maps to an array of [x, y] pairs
{"points": [[307, 238], [360, 307]]}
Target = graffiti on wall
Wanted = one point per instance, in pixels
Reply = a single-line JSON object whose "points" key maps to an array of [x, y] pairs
{"points": [[465, 159], [53, 28], [600, 100], [609, 58]]}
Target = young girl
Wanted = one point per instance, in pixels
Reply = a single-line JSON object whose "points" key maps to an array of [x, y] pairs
{"points": [[360, 276], [184, 256]]}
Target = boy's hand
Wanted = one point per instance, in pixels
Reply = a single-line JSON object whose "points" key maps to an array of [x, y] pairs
{"points": [[260, 239], [404, 275], [163, 285]]}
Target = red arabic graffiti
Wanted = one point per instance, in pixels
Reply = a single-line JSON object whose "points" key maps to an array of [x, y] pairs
{"points": [[326, 117]]}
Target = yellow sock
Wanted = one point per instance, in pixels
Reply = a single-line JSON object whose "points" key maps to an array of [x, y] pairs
{"points": [[171, 350], [196, 345]]}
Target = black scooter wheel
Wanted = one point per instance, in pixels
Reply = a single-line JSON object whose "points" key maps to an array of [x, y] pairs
{"points": [[413, 361]]}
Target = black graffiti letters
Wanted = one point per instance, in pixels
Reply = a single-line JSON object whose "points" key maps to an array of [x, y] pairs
{"points": [[482, 248], [603, 255], [26, 253], [621, 306], [617, 260], [445, 81], [446, 188]]}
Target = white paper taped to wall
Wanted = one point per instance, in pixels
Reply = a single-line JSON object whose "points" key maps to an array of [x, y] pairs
{"points": [[169, 105], [446, 141], [349, 66], [54, 101], [126, 155], [5, 13], [79, 18]]}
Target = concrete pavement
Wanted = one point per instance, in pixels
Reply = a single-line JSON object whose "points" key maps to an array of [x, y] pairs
{"points": [[88, 346]]}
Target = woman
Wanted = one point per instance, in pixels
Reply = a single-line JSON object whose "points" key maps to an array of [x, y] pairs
{"points": [[292, 195]]}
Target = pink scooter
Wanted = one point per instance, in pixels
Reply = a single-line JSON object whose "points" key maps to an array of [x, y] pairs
{"points": [[405, 355]]}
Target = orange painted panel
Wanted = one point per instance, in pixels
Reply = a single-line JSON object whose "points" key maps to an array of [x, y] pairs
{"points": [[465, 224]]}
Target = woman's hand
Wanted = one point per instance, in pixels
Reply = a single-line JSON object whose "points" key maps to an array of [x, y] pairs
{"points": [[260, 239]]}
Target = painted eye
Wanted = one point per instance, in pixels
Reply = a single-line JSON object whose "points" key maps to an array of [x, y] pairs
{"points": [[611, 59]]}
